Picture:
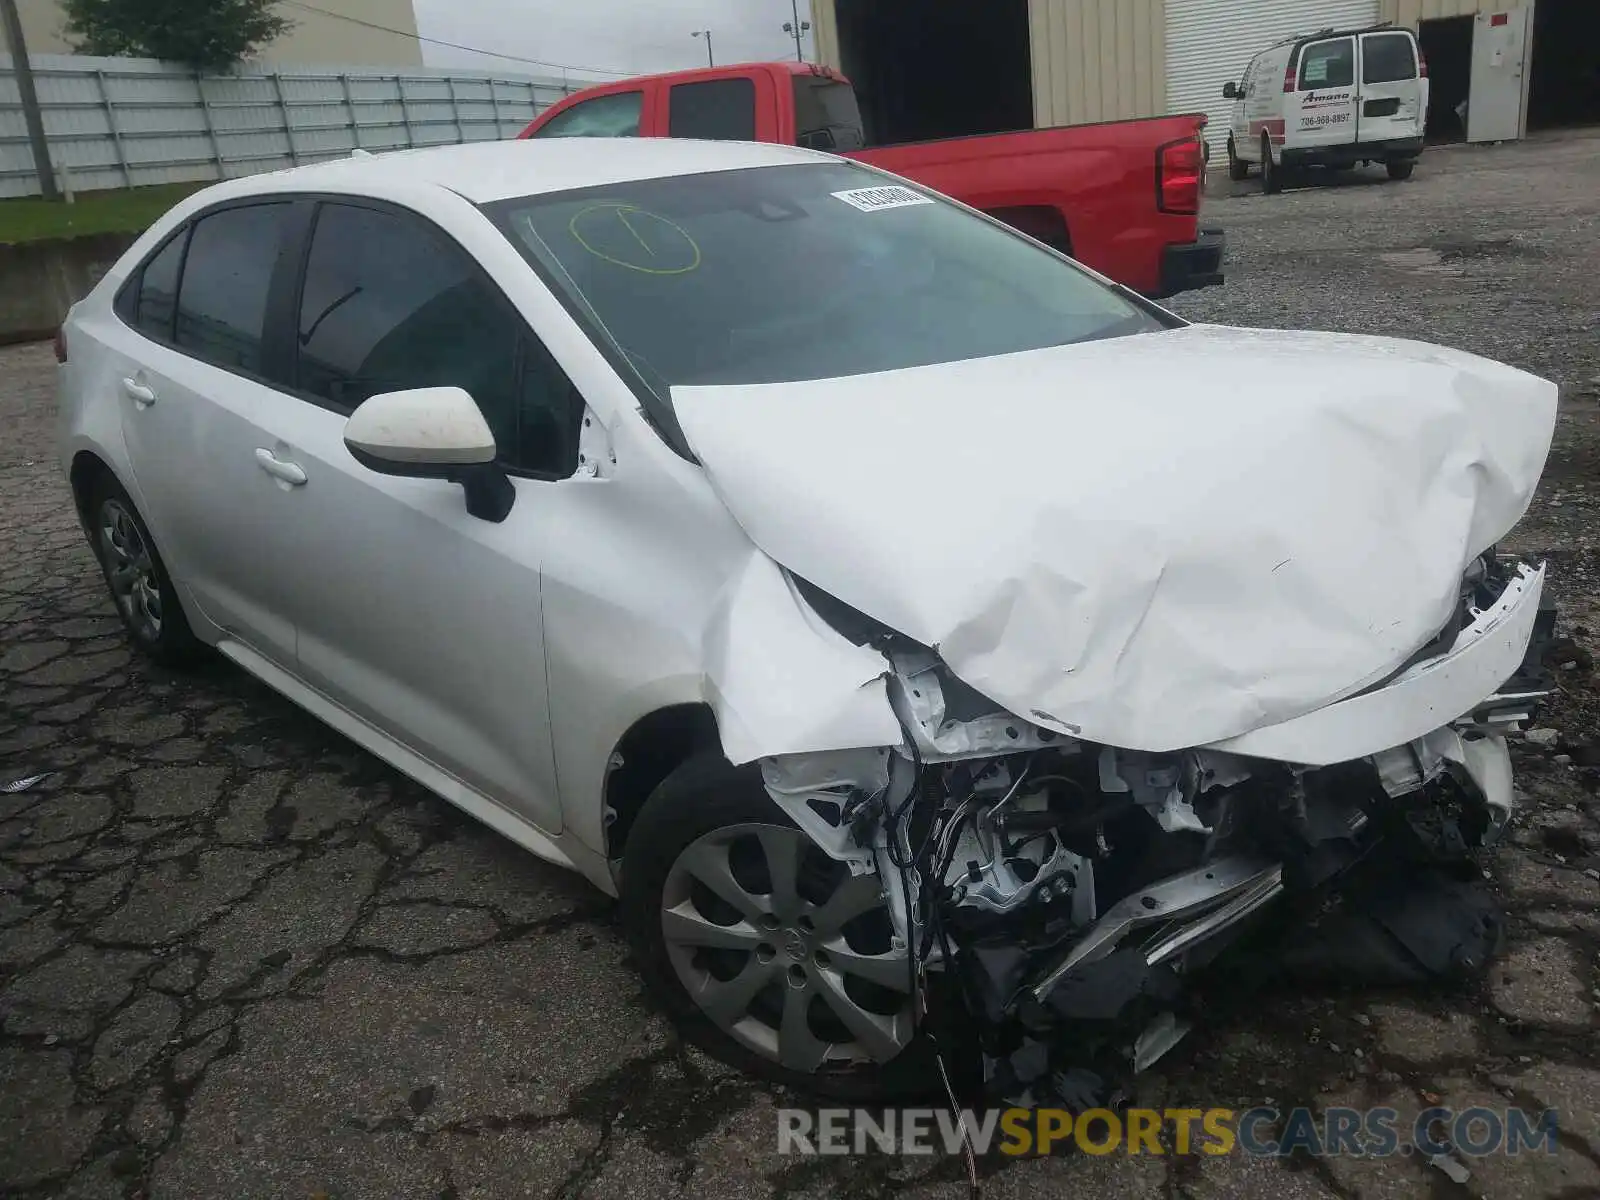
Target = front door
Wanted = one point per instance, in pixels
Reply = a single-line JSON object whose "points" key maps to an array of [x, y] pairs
{"points": [[411, 613], [1499, 60], [1322, 110]]}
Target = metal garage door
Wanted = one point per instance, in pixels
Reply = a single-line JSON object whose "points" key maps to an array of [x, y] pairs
{"points": [[1210, 41]]}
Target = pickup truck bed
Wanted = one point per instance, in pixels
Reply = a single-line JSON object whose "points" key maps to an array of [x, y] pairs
{"points": [[1122, 197]]}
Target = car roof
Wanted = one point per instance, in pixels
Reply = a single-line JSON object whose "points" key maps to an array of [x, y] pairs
{"points": [[486, 171]]}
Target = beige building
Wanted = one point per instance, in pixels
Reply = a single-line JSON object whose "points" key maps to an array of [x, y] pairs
{"points": [[928, 68], [350, 33]]}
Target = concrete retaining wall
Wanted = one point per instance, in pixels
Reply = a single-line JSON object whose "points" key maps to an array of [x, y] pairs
{"points": [[39, 281]]}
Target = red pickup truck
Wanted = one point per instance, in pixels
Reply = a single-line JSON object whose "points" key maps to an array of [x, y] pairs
{"points": [[1122, 197]]}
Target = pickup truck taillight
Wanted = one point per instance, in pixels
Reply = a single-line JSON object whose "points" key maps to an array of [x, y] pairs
{"points": [[61, 344], [1180, 176]]}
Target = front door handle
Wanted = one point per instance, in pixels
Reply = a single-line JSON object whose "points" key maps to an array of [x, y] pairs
{"points": [[288, 472], [141, 394]]}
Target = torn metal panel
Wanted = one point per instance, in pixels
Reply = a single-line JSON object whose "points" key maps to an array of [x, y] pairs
{"points": [[1174, 555], [781, 681]]}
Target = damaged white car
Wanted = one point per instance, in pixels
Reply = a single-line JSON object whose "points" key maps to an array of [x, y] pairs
{"points": [[922, 634]]}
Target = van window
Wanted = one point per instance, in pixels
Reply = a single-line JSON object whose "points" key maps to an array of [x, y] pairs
{"points": [[1328, 65], [1387, 58]]}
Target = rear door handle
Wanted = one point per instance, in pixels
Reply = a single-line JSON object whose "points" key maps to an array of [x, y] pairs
{"points": [[288, 472], [141, 394]]}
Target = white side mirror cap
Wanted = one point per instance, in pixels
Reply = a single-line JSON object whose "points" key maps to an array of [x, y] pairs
{"points": [[420, 428]]}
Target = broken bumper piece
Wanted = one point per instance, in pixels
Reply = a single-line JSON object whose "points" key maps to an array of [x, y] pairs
{"points": [[1069, 895]]}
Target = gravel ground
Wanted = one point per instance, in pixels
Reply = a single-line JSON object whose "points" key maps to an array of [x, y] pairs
{"points": [[239, 957]]}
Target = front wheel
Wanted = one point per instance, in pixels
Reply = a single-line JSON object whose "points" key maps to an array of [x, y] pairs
{"points": [[1271, 181], [1237, 168], [1400, 170], [766, 952]]}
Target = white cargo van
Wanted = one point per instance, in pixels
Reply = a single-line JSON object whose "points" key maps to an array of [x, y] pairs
{"points": [[1334, 99]]}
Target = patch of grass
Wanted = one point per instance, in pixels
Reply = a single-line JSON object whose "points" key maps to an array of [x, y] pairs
{"points": [[124, 210]]}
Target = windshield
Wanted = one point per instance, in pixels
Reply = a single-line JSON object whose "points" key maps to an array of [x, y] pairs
{"points": [[778, 274], [826, 116]]}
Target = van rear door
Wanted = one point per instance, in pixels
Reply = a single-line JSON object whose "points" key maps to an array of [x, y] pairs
{"points": [[1393, 94], [1321, 109]]}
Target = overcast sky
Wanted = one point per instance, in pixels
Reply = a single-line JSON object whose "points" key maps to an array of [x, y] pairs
{"points": [[613, 35]]}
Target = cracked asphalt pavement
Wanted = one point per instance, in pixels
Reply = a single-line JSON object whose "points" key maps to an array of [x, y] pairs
{"points": [[239, 957]]}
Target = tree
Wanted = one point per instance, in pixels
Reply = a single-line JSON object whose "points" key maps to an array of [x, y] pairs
{"points": [[207, 35]]}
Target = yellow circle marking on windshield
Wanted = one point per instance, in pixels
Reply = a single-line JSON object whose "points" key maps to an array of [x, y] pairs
{"points": [[663, 247]]}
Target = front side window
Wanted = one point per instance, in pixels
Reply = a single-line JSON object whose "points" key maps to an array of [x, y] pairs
{"points": [[615, 115], [1387, 58], [227, 273], [719, 109], [1328, 65], [811, 271], [388, 304]]}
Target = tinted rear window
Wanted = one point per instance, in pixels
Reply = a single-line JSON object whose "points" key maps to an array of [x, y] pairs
{"points": [[826, 115], [158, 290], [1387, 58], [222, 301], [719, 109], [1328, 65]]}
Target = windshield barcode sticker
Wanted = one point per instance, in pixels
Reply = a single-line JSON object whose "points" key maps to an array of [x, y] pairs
{"points": [[875, 199]]}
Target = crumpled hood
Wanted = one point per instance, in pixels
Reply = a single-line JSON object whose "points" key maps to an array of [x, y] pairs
{"points": [[1152, 542]]}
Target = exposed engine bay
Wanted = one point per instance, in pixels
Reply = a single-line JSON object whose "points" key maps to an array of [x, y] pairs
{"points": [[1064, 892]]}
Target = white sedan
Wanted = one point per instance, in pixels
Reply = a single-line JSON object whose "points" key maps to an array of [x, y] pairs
{"points": [[919, 632]]}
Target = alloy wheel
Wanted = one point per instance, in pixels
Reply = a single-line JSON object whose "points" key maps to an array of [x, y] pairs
{"points": [[130, 569], [786, 951]]}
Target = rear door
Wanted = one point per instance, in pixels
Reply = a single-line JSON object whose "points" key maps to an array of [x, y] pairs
{"points": [[1393, 94], [1321, 111], [197, 371]]}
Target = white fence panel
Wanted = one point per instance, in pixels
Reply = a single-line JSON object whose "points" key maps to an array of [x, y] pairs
{"points": [[128, 122]]}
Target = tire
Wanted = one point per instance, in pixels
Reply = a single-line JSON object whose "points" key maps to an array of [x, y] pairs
{"points": [[1237, 167], [1400, 170], [775, 974], [1271, 178], [141, 589]]}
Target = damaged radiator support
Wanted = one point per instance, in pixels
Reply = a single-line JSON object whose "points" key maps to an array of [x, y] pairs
{"points": [[1225, 892]]}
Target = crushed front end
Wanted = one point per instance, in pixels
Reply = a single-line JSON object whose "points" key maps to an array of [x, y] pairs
{"points": [[1063, 892]]}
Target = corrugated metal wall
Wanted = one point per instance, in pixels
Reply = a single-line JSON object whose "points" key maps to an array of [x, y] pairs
{"points": [[125, 122], [1096, 60], [825, 34], [1409, 12]]}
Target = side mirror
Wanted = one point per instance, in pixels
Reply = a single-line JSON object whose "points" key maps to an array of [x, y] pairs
{"points": [[1230, 90], [432, 433]]}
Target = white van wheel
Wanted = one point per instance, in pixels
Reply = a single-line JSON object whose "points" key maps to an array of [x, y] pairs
{"points": [[1271, 182], [1237, 167]]}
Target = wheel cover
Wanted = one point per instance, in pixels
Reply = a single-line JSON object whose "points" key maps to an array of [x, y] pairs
{"points": [[130, 569], [785, 950]]}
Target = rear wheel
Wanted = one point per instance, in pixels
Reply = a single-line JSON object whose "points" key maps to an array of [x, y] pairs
{"points": [[1237, 167], [1271, 182], [141, 589], [766, 952], [1400, 170]]}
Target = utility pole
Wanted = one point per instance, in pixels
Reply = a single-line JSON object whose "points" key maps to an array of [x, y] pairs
{"points": [[30, 100], [796, 29], [706, 33]]}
